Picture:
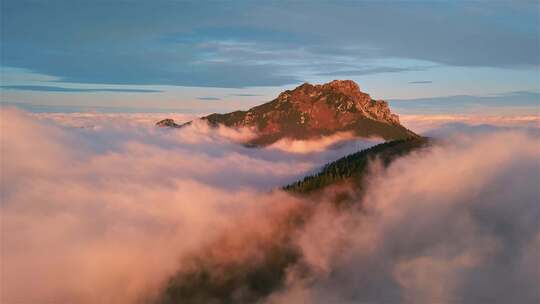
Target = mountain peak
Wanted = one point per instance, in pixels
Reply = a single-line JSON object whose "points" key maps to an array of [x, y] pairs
{"points": [[316, 110], [167, 122], [347, 87], [343, 96]]}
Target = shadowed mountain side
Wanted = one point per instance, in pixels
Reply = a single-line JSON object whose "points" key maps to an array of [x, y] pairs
{"points": [[310, 111], [226, 271]]}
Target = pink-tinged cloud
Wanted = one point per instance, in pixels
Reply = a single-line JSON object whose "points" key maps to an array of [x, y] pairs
{"points": [[456, 223], [109, 212]]}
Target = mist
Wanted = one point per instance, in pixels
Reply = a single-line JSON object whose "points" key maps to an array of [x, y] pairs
{"points": [[110, 209], [457, 223]]}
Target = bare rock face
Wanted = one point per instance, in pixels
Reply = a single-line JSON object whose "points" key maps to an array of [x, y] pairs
{"points": [[344, 94], [315, 110]]}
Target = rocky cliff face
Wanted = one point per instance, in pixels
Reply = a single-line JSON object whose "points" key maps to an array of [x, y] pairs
{"points": [[342, 96], [315, 110]]}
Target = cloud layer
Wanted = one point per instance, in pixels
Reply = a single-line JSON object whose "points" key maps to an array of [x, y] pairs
{"points": [[99, 208], [107, 208], [452, 224], [246, 44]]}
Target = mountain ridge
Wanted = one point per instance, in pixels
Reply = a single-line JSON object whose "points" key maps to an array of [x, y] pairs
{"points": [[310, 111], [356, 165]]}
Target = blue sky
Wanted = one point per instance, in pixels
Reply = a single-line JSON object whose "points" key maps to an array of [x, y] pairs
{"points": [[206, 56]]}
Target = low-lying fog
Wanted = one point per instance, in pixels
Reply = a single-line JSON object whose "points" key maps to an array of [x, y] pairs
{"points": [[100, 208]]}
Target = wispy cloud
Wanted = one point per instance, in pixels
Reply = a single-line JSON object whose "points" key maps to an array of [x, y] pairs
{"points": [[259, 44], [208, 98], [244, 95], [522, 101], [421, 82], [71, 108], [74, 90], [367, 71]]}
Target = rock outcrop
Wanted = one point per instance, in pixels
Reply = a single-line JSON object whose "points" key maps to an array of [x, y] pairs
{"points": [[167, 122]]}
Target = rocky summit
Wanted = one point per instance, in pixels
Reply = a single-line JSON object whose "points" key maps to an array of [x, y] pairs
{"points": [[310, 111], [168, 122]]}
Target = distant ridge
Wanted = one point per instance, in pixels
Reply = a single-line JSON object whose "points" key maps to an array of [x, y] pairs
{"points": [[310, 111]]}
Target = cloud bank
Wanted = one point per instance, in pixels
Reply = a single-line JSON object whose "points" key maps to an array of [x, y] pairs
{"points": [[453, 224], [99, 207], [109, 209]]}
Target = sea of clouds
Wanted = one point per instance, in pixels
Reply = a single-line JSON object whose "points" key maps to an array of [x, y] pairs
{"points": [[105, 208]]}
